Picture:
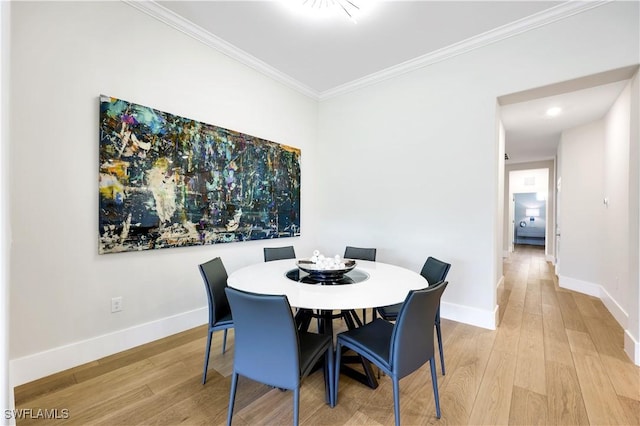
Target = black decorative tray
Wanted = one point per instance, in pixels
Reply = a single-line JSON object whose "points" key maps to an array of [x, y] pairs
{"points": [[325, 274]]}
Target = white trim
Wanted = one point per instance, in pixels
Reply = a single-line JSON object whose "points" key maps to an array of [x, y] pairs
{"points": [[616, 310], [499, 290], [537, 20], [176, 21], [506, 254], [550, 258], [534, 21], [632, 347], [32, 367], [500, 282], [7, 400], [468, 315], [596, 290], [42, 364], [580, 286]]}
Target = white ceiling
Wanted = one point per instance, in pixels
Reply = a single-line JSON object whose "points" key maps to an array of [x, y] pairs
{"points": [[531, 135], [319, 55], [331, 50]]}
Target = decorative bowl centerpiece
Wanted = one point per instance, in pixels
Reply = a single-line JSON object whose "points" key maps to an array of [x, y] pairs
{"points": [[326, 268]]}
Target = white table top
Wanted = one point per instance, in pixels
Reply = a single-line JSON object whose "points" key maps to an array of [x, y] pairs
{"points": [[386, 285]]}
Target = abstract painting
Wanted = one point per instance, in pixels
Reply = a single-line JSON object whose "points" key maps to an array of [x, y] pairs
{"points": [[168, 181]]}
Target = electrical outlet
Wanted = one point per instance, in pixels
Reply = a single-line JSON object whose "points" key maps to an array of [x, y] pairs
{"points": [[116, 304]]}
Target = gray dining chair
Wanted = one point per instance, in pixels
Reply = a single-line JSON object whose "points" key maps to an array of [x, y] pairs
{"points": [[214, 276], [433, 271], [278, 253], [288, 252], [271, 350], [398, 349], [360, 253]]}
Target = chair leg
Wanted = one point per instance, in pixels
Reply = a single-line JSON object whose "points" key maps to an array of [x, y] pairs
{"points": [[396, 399], [434, 380], [232, 396], [364, 316], [439, 334], [328, 378], [329, 369], [224, 341], [296, 406], [332, 368], [206, 357], [336, 374]]}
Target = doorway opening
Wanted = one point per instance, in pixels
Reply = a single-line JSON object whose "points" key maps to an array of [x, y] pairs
{"points": [[530, 224], [528, 208]]}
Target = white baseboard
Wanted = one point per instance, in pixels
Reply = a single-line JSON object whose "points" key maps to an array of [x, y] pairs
{"points": [[506, 254], [580, 286], [632, 347], [616, 310], [596, 290], [499, 290], [550, 258], [500, 282], [35, 366], [471, 316]]}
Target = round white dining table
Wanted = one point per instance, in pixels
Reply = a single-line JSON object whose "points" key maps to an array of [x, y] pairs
{"points": [[383, 285]]}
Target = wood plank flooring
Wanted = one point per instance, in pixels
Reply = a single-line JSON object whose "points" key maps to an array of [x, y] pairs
{"points": [[556, 358]]}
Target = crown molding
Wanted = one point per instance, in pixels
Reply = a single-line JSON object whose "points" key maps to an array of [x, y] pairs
{"points": [[556, 13], [534, 21], [187, 27]]}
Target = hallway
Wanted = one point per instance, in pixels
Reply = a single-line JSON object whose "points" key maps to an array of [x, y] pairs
{"points": [[570, 364]]}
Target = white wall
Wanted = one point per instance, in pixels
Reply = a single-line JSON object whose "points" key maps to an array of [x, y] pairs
{"points": [[420, 151], [616, 190], [6, 394], [621, 287], [632, 332], [64, 55], [423, 187], [558, 218], [502, 214], [581, 206], [525, 178]]}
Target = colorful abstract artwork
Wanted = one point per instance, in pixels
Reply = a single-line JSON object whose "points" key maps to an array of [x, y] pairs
{"points": [[168, 181]]}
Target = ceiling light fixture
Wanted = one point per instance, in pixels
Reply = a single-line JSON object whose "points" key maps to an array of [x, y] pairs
{"points": [[554, 111], [347, 6]]}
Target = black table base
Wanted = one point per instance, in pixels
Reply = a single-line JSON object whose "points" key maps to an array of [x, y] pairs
{"points": [[325, 325]]}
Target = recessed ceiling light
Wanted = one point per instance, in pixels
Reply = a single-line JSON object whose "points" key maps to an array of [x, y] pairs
{"points": [[554, 111]]}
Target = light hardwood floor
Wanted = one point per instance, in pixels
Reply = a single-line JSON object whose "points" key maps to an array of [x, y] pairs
{"points": [[556, 358]]}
